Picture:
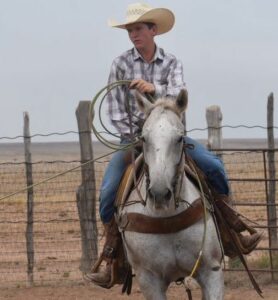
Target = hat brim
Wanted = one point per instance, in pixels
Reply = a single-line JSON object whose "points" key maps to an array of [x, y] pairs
{"points": [[162, 17]]}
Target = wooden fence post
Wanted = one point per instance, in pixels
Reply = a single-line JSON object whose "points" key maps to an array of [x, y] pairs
{"points": [[29, 182], [214, 119], [215, 141], [272, 216], [86, 193]]}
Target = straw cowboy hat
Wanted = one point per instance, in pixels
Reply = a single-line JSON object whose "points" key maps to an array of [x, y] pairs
{"points": [[139, 12]]}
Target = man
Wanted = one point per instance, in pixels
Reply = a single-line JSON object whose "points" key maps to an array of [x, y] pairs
{"points": [[160, 74]]}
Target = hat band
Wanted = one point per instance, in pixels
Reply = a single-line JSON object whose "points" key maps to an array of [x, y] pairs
{"points": [[136, 11]]}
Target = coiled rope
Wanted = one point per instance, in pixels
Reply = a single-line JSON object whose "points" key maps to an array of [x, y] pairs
{"points": [[99, 136]]}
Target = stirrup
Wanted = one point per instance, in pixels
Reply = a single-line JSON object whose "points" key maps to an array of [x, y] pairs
{"points": [[244, 250], [118, 273], [96, 269]]}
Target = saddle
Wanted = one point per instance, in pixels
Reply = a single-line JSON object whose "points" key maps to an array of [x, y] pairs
{"points": [[141, 223]]}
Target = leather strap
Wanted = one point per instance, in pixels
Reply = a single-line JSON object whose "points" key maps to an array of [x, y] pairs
{"points": [[127, 181], [144, 224]]}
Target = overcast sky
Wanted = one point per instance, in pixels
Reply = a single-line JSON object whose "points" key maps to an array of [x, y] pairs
{"points": [[54, 53]]}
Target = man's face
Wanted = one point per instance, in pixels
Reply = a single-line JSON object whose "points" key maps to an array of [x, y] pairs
{"points": [[141, 35]]}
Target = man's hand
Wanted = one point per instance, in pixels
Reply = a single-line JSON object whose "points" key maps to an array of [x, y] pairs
{"points": [[142, 86]]}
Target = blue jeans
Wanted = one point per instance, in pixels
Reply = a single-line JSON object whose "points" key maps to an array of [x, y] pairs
{"points": [[207, 161]]}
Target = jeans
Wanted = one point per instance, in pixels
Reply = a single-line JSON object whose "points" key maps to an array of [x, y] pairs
{"points": [[207, 161]]}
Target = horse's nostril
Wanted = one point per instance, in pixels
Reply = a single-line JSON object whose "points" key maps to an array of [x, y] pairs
{"points": [[168, 195], [150, 193], [159, 195]]}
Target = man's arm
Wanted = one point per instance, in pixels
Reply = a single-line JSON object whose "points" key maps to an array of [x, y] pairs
{"points": [[175, 81], [116, 101]]}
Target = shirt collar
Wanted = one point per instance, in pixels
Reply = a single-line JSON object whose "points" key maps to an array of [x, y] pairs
{"points": [[158, 55]]}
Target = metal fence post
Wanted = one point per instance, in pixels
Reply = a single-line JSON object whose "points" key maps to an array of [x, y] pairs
{"points": [[30, 196], [271, 172], [271, 208]]}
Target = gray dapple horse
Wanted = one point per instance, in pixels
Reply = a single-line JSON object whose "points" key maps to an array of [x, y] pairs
{"points": [[159, 259]]}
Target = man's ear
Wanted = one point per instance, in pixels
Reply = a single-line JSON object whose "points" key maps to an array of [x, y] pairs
{"points": [[143, 103], [154, 29], [182, 100]]}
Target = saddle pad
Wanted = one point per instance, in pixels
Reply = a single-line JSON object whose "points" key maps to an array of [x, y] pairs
{"points": [[127, 181]]}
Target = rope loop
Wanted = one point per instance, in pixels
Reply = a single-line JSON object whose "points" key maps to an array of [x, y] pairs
{"points": [[99, 99]]}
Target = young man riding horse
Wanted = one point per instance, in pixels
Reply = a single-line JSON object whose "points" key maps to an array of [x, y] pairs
{"points": [[159, 74]]}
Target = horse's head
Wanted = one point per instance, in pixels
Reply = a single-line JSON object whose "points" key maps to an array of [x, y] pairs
{"points": [[162, 136]]}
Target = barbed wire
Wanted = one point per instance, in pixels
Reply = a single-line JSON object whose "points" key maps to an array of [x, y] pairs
{"points": [[49, 162], [234, 127], [224, 152], [115, 133]]}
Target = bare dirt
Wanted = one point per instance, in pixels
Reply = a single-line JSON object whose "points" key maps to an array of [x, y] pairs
{"points": [[90, 292]]}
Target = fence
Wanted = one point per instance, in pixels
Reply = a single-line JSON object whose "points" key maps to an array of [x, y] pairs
{"points": [[44, 238]]}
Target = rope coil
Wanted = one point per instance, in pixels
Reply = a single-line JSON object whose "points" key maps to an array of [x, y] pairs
{"points": [[105, 141]]}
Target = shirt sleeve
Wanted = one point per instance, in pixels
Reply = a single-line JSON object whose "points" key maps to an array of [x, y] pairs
{"points": [[116, 100], [174, 82]]}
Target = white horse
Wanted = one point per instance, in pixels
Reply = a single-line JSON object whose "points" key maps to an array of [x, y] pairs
{"points": [[159, 259]]}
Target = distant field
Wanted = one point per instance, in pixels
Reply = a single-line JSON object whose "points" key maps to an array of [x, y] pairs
{"points": [[71, 150]]}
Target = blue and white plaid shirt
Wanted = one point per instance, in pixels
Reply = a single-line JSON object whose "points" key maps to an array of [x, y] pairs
{"points": [[165, 72]]}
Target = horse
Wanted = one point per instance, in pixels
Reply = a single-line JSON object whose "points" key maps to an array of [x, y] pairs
{"points": [[157, 259]]}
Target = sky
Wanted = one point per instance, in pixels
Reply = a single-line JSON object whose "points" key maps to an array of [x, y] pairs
{"points": [[54, 53]]}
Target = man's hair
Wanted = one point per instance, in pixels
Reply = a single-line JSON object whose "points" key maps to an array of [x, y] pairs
{"points": [[149, 24]]}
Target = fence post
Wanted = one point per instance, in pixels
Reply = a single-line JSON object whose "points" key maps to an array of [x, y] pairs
{"points": [[85, 195], [272, 216], [30, 197], [215, 141], [214, 119]]}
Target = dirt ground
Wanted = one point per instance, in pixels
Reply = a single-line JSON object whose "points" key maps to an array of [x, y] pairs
{"points": [[57, 237], [90, 292]]}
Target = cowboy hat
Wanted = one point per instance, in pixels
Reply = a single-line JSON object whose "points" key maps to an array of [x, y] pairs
{"points": [[139, 12]]}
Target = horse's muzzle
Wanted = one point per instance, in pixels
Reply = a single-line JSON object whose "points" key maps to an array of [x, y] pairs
{"points": [[160, 197]]}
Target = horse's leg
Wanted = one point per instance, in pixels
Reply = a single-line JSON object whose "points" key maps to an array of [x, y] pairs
{"points": [[212, 284], [151, 286]]}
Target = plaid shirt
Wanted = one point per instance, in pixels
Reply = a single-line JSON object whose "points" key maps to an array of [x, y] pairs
{"points": [[165, 72]]}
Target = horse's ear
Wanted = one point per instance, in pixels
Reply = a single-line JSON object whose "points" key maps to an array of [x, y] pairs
{"points": [[143, 103], [182, 100]]}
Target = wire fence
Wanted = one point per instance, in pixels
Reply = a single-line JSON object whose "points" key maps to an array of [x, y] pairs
{"points": [[56, 228], [56, 223], [63, 133]]}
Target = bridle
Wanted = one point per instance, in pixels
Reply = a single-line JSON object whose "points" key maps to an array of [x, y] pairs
{"points": [[178, 176]]}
